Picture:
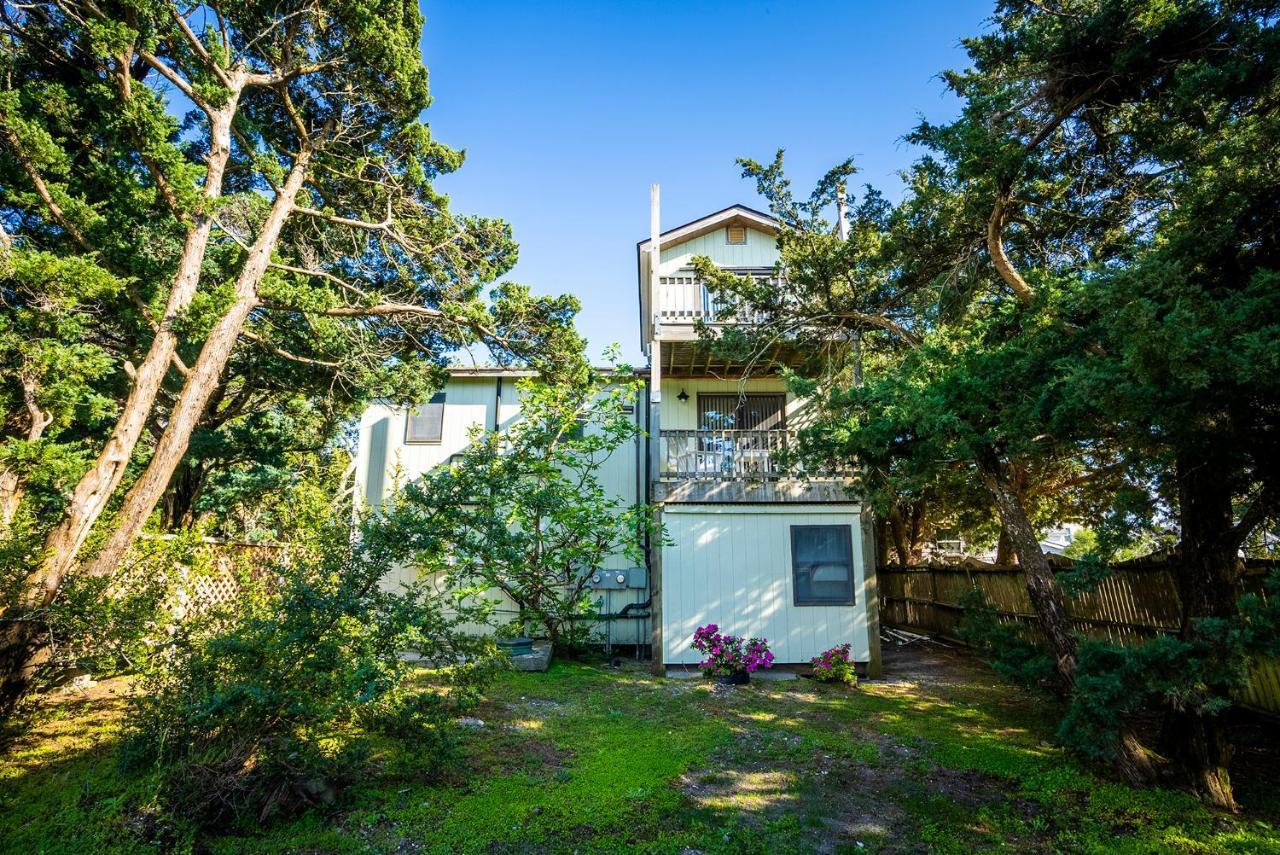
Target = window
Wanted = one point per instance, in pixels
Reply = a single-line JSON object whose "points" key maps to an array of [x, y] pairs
{"points": [[822, 564], [426, 422], [735, 235]]}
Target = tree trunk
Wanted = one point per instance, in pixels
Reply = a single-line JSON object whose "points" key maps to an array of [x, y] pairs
{"points": [[1004, 549], [1209, 587], [882, 541], [23, 649], [1046, 597], [91, 494], [1131, 758], [180, 499], [10, 496], [901, 541], [915, 536], [10, 479], [201, 382]]}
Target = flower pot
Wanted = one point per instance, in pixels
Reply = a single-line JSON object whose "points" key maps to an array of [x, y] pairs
{"points": [[737, 678], [522, 646]]}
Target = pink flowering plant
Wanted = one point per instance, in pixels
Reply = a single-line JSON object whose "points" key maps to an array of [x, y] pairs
{"points": [[730, 654], [833, 666]]}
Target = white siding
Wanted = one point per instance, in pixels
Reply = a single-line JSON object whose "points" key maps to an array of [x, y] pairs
{"points": [[731, 565]]}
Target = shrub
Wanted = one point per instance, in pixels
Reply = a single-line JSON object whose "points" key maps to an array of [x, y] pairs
{"points": [[833, 666], [275, 706], [525, 510], [730, 654]]}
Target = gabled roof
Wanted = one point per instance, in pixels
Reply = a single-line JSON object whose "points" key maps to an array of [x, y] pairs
{"points": [[730, 216]]}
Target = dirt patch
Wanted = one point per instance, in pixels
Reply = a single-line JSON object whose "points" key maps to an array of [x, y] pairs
{"points": [[870, 792]]}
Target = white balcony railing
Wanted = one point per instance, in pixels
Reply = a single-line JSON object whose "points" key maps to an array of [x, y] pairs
{"points": [[723, 454], [684, 299]]}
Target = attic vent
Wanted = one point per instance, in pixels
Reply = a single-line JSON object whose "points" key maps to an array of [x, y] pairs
{"points": [[736, 235]]}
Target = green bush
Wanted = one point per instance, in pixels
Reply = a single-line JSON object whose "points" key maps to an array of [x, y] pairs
{"points": [[277, 704], [102, 624]]}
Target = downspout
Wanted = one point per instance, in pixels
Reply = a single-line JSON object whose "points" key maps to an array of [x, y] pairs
{"points": [[497, 404]]}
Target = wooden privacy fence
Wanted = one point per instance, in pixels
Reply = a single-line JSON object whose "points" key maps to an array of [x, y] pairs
{"points": [[1138, 600]]}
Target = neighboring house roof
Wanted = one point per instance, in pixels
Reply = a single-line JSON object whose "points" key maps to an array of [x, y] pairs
{"points": [[725, 217]]}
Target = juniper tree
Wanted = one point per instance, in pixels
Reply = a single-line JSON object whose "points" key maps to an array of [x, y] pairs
{"points": [[290, 213], [1088, 263]]}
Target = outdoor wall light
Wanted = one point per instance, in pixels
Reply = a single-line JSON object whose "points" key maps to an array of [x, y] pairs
{"points": [[683, 396]]}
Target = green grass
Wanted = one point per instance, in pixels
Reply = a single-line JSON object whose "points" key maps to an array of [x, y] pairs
{"points": [[588, 759]]}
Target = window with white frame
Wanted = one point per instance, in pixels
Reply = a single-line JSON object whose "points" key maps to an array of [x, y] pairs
{"points": [[426, 423], [822, 565]]}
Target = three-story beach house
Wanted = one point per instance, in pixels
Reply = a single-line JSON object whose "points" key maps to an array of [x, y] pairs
{"points": [[750, 546]]}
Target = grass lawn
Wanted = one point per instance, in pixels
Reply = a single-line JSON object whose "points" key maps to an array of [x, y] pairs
{"points": [[941, 757]]}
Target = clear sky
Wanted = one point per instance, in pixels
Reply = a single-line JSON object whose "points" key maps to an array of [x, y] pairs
{"points": [[568, 111]]}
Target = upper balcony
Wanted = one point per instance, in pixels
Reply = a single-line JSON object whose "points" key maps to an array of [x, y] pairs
{"points": [[672, 300], [683, 300]]}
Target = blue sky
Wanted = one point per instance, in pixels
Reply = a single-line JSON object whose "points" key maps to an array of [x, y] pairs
{"points": [[568, 111]]}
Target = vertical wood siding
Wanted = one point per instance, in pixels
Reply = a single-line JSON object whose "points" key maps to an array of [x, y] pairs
{"points": [[760, 250], [731, 565]]}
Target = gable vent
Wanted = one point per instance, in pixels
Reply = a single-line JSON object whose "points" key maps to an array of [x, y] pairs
{"points": [[736, 235]]}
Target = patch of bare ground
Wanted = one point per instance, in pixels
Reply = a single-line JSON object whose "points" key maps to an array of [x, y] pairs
{"points": [[510, 743], [867, 791]]}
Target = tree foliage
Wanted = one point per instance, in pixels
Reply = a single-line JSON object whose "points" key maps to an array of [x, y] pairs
{"points": [[1074, 306], [214, 218], [526, 510]]}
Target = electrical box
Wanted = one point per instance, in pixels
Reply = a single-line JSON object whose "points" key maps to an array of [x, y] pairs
{"points": [[628, 577]]}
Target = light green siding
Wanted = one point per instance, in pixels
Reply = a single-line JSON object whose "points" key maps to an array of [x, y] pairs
{"points": [[683, 415], [760, 250]]}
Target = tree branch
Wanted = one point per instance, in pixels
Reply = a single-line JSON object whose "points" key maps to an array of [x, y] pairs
{"points": [[284, 354]]}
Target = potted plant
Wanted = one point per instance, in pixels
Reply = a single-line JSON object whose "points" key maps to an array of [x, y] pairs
{"points": [[730, 659], [834, 666], [512, 639]]}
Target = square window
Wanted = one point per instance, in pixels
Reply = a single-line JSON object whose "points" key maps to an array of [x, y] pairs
{"points": [[735, 235], [822, 565], [425, 423]]}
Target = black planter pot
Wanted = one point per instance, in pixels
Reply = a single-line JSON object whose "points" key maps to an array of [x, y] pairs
{"points": [[737, 678], [522, 646]]}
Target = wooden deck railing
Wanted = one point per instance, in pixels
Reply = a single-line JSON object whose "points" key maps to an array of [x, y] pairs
{"points": [[730, 455], [684, 299], [722, 454]]}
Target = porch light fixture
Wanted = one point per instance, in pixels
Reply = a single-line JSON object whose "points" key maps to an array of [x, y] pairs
{"points": [[683, 396]]}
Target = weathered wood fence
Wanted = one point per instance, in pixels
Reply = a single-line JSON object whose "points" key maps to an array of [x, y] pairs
{"points": [[1137, 601]]}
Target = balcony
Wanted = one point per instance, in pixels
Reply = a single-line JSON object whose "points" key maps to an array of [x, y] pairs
{"points": [[738, 466], [683, 299], [723, 455]]}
